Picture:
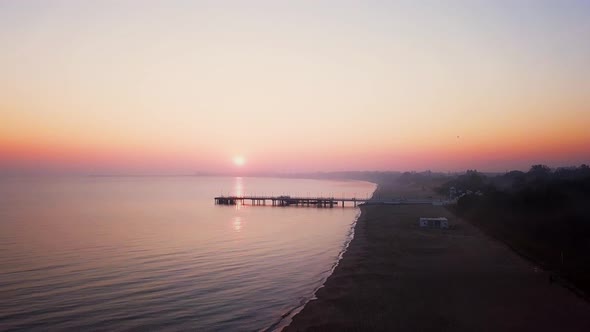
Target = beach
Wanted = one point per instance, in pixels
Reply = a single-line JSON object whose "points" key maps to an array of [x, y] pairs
{"points": [[396, 276]]}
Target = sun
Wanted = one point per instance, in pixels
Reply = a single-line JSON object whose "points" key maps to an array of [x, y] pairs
{"points": [[239, 161]]}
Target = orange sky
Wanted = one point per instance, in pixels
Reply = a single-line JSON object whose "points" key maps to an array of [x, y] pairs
{"points": [[165, 87]]}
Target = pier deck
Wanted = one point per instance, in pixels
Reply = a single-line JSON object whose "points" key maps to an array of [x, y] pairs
{"points": [[316, 201]]}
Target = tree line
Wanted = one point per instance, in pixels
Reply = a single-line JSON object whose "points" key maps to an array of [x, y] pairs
{"points": [[543, 213]]}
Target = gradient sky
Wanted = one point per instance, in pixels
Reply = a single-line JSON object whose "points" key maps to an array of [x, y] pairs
{"points": [[183, 86]]}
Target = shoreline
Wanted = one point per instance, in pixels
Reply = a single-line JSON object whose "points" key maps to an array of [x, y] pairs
{"points": [[396, 276], [287, 318]]}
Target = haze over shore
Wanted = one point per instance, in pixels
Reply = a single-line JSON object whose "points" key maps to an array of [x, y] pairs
{"points": [[397, 276]]}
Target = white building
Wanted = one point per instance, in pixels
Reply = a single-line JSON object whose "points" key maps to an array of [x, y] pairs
{"points": [[439, 222]]}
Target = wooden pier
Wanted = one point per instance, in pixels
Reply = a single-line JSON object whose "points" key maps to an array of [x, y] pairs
{"points": [[320, 202]]}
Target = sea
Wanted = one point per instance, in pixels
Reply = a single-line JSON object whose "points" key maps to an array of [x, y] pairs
{"points": [[156, 253]]}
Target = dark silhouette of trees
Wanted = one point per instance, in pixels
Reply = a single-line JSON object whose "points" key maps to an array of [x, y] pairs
{"points": [[471, 181], [543, 213], [540, 170]]}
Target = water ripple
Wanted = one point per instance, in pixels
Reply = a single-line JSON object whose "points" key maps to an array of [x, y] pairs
{"points": [[158, 256]]}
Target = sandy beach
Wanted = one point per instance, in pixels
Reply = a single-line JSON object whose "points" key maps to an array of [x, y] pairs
{"points": [[396, 276]]}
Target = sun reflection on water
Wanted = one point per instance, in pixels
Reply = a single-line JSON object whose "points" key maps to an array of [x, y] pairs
{"points": [[237, 224], [238, 186], [238, 191]]}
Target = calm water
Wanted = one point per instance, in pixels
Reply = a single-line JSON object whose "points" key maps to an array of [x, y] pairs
{"points": [[115, 253]]}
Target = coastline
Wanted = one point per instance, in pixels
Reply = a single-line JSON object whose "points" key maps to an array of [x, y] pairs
{"points": [[287, 317], [396, 276]]}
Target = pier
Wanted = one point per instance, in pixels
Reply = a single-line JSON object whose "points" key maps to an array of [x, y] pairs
{"points": [[320, 202]]}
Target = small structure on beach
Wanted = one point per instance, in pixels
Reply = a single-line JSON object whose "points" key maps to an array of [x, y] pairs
{"points": [[439, 222]]}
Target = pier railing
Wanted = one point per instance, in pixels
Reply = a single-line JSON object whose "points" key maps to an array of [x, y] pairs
{"points": [[317, 201]]}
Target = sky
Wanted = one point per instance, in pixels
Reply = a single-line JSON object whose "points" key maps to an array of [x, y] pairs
{"points": [[176, 87]]}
